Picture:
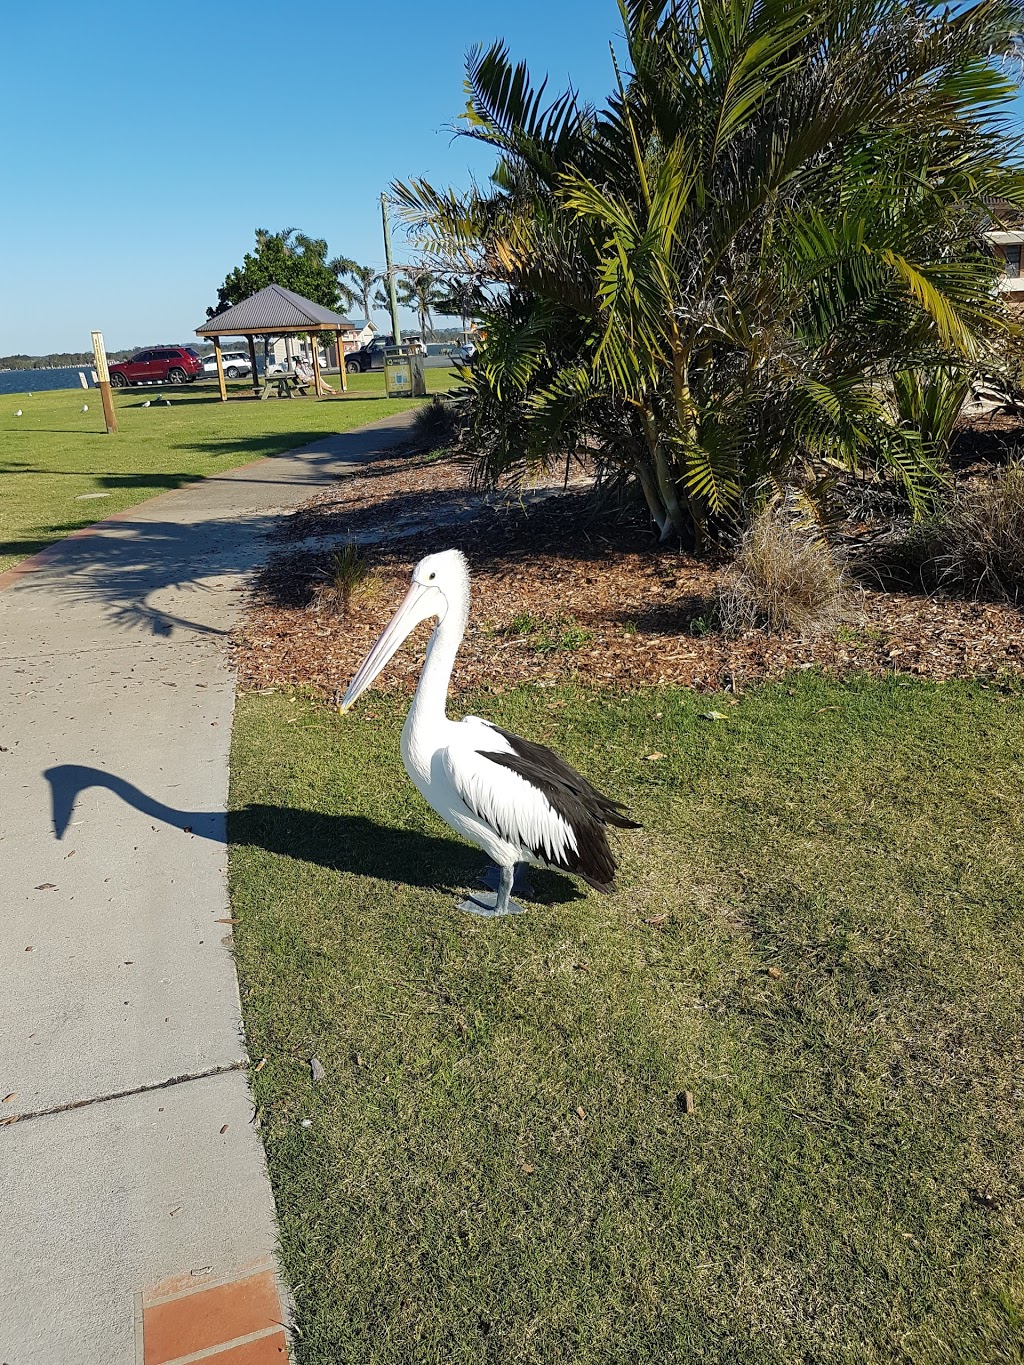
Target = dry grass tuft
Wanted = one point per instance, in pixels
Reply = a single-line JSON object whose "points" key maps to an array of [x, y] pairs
{"points": [[785, 577], [349, 572], [982, 536]]}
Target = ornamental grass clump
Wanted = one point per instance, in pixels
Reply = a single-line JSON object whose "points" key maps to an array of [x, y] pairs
{"points": [[349, 571], [982, 537], [785, 577], [436, 425]]}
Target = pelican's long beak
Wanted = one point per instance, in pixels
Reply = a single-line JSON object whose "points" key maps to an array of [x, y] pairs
{"points": [[421, 602]]}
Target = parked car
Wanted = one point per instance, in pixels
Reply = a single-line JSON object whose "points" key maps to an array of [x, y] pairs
{"points": [[368, 357], [371, 356], [235, 363], [161, 365]]}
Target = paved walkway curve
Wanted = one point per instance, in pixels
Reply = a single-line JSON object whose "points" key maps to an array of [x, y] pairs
{"points": [[133, 1192]]}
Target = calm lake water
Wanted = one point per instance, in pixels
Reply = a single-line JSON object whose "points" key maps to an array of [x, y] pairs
{"points": [[39, 381]]}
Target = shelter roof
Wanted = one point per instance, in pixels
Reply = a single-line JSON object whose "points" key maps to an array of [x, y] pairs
{"points": [[273, 309]]}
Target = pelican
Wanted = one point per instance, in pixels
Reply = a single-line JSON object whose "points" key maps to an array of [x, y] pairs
{"points": [[516, 800]]}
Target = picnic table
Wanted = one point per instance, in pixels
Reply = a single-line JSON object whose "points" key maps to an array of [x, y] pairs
{"points": [[287, 383]]}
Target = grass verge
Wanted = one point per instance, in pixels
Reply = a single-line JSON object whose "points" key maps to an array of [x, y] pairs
{"points": [[56, 459], [817, 935]]}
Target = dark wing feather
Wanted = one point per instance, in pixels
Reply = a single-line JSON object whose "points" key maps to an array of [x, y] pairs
{"points": [[582, 806]]}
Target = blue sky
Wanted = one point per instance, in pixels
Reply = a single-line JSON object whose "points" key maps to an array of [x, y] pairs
{"points": [[143, 144]]}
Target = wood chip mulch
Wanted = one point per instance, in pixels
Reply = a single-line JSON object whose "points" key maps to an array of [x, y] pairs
{"points": [[561, 592]]}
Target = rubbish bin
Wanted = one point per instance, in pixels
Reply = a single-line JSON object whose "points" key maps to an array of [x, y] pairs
{"points": [[403, 372]]}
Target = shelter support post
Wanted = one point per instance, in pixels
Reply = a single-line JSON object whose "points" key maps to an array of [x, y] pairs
{"points": [[252, 361], [342, 373], [318, 383], [220, 370]]}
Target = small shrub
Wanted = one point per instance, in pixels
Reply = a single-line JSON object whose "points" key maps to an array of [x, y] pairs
{"points": [[349, 571], [930, 402], [785, 577], [981, 534], [436, 425]]}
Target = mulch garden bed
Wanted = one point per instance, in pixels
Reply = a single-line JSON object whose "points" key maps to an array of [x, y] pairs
{"points": [[563, 592]]}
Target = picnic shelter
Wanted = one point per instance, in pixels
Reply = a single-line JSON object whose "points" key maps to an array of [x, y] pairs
{"points": [[274, 312]]}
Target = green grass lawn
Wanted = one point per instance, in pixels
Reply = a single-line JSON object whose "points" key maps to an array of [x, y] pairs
{"points": [[818, 934], [54, 452]]}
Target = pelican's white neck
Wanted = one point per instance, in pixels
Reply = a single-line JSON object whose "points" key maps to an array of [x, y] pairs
{"points": [[432, 691]]}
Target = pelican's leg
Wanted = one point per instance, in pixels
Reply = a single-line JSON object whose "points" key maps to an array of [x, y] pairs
{"points": [[492, 905], [522, 886]]}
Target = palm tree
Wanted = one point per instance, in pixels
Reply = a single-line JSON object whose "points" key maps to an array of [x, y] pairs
{"points": [[716, 277], [284, 236], [356, 283], [458, 297], [417, 291]]}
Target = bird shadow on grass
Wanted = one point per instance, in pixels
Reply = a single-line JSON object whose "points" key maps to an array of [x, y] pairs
{"points": [[343, 843]]}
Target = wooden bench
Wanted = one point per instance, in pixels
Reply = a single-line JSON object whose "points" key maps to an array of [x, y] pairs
{"points": [[287, 384]]}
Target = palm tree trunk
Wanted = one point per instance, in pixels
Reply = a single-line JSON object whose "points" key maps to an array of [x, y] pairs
{"points": [[687, 419], [647, 481], [673, 518]]}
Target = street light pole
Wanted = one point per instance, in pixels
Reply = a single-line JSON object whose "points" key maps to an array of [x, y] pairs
{"points": [[392, 295]]}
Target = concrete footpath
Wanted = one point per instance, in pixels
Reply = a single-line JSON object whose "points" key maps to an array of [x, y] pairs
{"points": [[137, 1220]]}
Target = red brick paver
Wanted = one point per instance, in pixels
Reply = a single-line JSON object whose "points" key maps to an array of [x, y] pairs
{"points": [[244, 1317]]}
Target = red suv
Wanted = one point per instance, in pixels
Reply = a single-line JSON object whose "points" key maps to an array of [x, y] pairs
{"points": [[161, 365]]}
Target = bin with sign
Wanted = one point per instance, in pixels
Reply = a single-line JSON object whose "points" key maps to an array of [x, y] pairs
{"points": [[403, 372]]}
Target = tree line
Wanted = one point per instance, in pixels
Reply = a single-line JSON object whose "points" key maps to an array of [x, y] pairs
{"points": [[57, 359]]}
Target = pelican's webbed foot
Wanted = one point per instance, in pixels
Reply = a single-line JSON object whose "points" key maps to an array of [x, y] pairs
{"points": [[486, 904]]}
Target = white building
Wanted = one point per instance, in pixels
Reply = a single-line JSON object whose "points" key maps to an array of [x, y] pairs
{"points": [[1007, 246]]}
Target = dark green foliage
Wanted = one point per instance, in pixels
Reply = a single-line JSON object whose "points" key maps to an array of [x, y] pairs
{"points": [[288, 258], [716, 277], [929, 403]]}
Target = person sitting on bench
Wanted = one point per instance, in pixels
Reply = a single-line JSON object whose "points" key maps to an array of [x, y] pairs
{"points": [[304, 376]]}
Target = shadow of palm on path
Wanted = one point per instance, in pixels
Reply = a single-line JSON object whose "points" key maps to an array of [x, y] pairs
{"points": [[128, 562]]}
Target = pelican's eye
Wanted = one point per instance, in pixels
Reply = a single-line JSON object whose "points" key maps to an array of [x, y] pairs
{"points": [[433, 575]]}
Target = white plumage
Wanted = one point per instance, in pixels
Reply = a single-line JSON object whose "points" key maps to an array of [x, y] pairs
{"points": [[511, 814], [516, 800]]}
